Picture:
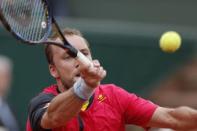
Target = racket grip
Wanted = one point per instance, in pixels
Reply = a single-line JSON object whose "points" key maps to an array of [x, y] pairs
{"points": [[83, 60]]}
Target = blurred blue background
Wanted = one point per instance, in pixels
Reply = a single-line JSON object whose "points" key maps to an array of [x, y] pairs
{"points": [[124, 36]]}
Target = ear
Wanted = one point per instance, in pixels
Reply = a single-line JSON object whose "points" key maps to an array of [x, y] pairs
{"points": [[53, 71]]}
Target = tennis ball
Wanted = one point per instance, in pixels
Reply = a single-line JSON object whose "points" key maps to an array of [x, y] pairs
{"points": [[170, 41]]}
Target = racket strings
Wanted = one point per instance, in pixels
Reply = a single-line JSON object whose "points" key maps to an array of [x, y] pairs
{"points": [[27, 18]]}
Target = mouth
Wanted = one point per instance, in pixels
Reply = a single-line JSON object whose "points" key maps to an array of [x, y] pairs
{"points": [[78, 75]]}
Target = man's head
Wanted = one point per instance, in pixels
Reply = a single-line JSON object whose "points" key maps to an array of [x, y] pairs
{"points": [[64, 68], [5, 75]]}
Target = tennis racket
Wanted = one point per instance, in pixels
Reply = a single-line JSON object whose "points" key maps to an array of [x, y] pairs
{"points": [[32, 22]]}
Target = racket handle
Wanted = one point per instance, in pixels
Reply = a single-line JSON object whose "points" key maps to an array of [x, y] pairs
{"points": [[83, 60]]}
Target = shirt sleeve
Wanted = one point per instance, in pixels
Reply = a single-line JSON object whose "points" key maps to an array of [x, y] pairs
{"points": [[37, 108], [136, 110], [139, 111]]}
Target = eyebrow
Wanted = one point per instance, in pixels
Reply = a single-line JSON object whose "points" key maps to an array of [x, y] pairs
{"points": [[85, 49], [81, 50]]}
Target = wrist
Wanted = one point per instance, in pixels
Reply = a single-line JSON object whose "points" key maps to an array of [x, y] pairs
{"points": [[82, 90]]}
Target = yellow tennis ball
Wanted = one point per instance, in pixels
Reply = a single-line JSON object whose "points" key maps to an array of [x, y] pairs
{"points": [[170, 41]]}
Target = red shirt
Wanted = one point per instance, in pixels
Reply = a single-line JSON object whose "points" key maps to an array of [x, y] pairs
{"points": [[111, 109]]}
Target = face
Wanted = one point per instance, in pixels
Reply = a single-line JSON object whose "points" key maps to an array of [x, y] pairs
{"points": [[65, 68]]}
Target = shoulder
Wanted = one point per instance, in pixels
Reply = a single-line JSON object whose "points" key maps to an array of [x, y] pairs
{"points": [[109, 87], [38, 106], [42, 98], [114, 89], [40, 101], [119, 94], [116, 93]]}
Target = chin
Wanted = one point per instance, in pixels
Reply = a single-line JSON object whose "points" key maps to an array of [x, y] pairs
{"points": [[76, 78]]}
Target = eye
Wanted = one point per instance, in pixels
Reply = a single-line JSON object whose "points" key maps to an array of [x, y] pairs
{"points": [[86, 53], [66, 57]]}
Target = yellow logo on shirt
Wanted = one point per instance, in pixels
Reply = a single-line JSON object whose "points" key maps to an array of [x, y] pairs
{"points": [[101, 98], [85, 105]]}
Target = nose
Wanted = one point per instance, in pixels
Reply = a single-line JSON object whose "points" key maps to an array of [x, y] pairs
{"points": [[76, 64]]}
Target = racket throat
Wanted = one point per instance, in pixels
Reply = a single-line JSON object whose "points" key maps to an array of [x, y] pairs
{"points": [[72, 52]]}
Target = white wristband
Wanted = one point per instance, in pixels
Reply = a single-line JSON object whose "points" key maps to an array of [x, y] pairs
{"points": [[82, 90]]}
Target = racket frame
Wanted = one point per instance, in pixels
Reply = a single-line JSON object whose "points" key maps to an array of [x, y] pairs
{"points": [[50, 22], [48, 13]]}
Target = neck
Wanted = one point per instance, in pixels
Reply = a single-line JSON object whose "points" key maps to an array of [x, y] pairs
{"points": [[61, 87]]}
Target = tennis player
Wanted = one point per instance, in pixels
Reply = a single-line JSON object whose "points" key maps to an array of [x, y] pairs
{"points": [[78, 102]]}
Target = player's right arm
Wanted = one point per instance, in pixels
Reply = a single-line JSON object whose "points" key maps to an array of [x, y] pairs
{"points": [[47, 111], [66, 105], [61, 109]]}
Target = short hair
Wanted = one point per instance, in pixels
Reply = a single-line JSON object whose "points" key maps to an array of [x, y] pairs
{"points": [[67, 32]]}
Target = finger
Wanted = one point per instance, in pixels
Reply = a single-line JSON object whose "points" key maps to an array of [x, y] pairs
{"points": [[96, 63], [102, 73], [94, 72], [98, 70], [89, 71]]}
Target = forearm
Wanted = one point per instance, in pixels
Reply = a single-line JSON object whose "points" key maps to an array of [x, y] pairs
{"points": [[61, 109], [173, 99], [185, 118]]}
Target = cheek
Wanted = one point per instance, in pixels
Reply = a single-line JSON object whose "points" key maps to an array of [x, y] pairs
{"points": [[66, 68]]}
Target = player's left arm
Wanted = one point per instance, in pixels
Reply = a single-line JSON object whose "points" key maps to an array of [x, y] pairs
{"points": [[181, 118]]}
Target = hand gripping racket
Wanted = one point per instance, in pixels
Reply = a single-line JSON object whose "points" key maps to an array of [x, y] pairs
{"points": [[32, 21]]}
